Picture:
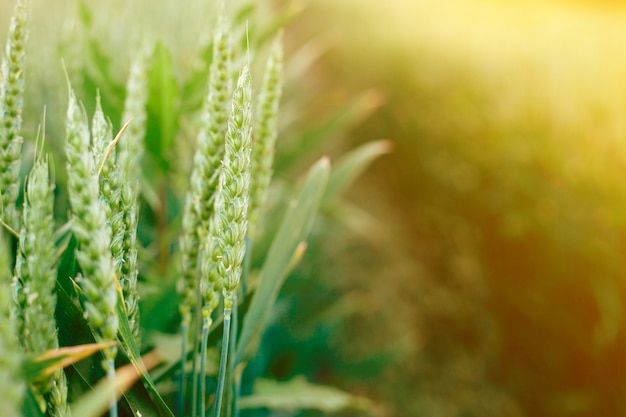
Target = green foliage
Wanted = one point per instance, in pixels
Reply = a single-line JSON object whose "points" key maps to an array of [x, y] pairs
{"points": [[286, 249], [298, 394], [105, 263], [163, 105]]}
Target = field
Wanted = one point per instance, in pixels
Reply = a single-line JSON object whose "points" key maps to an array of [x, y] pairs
{"points": [[474, 269]]}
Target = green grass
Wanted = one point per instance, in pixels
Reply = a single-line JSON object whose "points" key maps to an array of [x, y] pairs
{"points": [[92, 251]]}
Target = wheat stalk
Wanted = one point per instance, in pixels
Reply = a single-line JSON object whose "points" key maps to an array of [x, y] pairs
{"points": [[204, 179], [34, 284], [129, 154], [265, 133], [92, 234], [226, 246], [11, 103], [206, 167]]}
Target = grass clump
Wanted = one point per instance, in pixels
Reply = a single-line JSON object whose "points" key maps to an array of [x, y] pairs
{"points": [[79, 289]]}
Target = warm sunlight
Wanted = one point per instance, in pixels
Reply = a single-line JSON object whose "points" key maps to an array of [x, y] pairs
{"points": [[509, 185]]}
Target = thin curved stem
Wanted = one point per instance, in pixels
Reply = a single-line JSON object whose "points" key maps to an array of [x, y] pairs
{"points": [[195, 372], [111, 377], [206, 326], [231, 398], [236, 391], [236, 378], [223, 360], [184, 334]]}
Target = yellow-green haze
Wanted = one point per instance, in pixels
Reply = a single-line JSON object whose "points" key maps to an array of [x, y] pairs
{"points": [[506, 194]]}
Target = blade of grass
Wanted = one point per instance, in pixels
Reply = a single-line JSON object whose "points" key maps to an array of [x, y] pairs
{"points": [[351, 165], [295, 227], [337, 123], [45, 365], [97, 400], [132, 351]]}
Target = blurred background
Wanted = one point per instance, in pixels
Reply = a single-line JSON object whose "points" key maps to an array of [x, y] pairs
{"points": [[497, 282], [477, 270]]}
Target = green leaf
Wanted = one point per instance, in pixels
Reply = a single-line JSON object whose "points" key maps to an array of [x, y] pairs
{"points": [[294, 229], [298, 394], [45, 365], [97, 401], [30, 407], [195, 86], [163, 105], [132, 351], [350, 114], [84, 14], [350, 166], [244, 13]]}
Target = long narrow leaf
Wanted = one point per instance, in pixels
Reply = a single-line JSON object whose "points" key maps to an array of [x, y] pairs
{"points": [[128, 342], [163, 106], [298, 394], [293, 230], [338, 123], [94, 403], [30, 407], [350, 166], [45, 365]]}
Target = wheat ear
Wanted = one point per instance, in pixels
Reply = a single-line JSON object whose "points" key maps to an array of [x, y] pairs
{"points": [[93, 236], [227, 236], [129, 155], [11, 103]]}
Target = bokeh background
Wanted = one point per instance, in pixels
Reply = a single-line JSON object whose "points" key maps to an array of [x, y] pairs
{"points": [[500, 269], [478, 269]]}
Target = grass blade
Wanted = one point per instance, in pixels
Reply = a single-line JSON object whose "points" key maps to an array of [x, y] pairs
{"points": [[298, 393], [349, 167], [132, 351], [98, 400], [293, 230], [45, 365]]}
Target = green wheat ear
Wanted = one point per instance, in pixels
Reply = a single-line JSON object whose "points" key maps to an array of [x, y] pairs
{"points": [[226, 243], [206, 166], [90, 230], [265, 133], [11, 385], [129, 153], [230, 222], [200, 197], [103, 150], [34, 284], [11, 103]]}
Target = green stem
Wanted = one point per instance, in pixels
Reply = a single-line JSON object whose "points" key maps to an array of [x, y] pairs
{"points": [[206, 325], [231, 398], [223, 359], [236, 386], [184, 334], [111, 377], [236, 392], [194, 363]]}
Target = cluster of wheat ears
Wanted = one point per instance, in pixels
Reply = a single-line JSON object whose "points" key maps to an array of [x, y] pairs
{"points": [[229, 183]]}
